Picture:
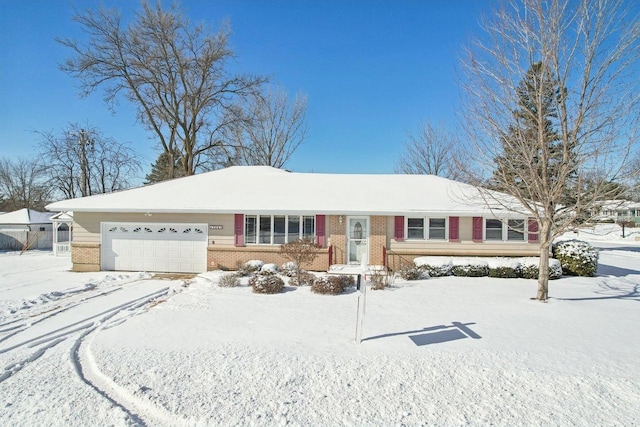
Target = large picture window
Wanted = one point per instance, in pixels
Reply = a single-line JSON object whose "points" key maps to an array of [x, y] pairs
{"points": [[278, 229], [426, 228]]}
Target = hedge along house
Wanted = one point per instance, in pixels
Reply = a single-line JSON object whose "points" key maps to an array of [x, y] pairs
{"points": [[225, 217]]}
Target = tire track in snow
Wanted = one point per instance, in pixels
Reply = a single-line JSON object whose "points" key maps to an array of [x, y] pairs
{"points": [[139, 411]]}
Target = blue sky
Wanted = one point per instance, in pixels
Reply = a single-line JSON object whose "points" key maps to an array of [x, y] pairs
{"points": [[372, 71]]}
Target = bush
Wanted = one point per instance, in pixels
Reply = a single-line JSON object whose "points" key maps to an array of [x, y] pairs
{"points": [[289, 269], [346, 280], [507, 268], [328, 285], [529, 268], [411, 272], [266, 283], [229, 280], [437, 270], [306, 279], [249, 267], [380, 279], [470, 270], [271, 268], [576, 257]]}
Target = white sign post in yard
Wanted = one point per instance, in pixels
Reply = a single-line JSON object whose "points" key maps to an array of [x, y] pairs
{"points": [[362, 297]]}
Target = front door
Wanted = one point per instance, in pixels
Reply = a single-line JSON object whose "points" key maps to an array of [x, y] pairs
{"points": [[357, 239]]}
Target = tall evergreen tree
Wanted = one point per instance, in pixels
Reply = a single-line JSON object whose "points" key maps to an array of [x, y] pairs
{"points": [[536, 120], [166, 166]]}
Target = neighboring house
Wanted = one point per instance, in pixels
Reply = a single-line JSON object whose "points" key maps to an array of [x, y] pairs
{"points": [[222, 218], [619, 210], [26, 226]]}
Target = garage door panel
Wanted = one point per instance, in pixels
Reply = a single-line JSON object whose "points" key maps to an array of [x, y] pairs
{"points": [[154, 247]]}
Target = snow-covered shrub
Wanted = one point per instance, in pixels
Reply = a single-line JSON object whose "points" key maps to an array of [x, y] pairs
{"points": [[289, 268], [271, 268], [529, 268], [229, 280], [411, 272], [381, 279], [266, 283], [434, 266], [328, 285], [306, 279], [578, 258], [506, 268], [346, 280], [469, 267], [249, 267]]}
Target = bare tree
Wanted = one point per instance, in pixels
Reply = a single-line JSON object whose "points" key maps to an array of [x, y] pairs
{"points": [[589, 51], [82, 161], [175, 74], [23, 185], [269, 129], [429, 151]]}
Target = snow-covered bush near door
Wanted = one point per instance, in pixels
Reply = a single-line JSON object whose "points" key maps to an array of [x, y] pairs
{"points": [[328, 285], [578, 258], [411, 272]]}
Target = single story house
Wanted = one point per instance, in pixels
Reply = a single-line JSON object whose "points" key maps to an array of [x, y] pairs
{"points": [[619, 210], [26, 227], [229, 216]]}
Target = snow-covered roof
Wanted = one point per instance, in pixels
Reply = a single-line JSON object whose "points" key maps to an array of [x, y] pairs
{"points": [[264, 189], [25, 217]]}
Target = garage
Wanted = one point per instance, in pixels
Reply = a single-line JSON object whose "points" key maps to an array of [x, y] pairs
{"points": [[160, 247]]}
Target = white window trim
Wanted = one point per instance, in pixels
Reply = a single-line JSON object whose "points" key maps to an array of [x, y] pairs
{"points": [[286, 228], [505, 230], [426, 229]]}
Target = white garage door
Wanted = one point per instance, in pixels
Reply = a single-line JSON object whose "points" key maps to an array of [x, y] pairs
{"points": [[179, 248]]}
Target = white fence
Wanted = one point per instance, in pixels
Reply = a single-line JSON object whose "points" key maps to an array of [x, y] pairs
{"points": [[14, 240]]}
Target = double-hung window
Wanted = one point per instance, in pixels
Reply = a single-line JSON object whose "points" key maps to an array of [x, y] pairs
{"points": [[511, 230], [278, 229], [421, 228]]}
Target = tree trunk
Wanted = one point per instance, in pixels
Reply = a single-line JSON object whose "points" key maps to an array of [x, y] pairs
{"points": [[543, 277]]}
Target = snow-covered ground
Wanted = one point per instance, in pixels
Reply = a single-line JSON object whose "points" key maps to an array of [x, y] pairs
{"points": [[131, 349]]}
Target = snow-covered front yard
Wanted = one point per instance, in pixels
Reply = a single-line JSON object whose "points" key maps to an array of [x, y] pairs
{"points": [[127, 348]]}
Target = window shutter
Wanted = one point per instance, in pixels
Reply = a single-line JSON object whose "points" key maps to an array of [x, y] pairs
{"points": [[532, 235], [320, 233], [239, 230], [399, 229], [454, 229], [477, 229]]}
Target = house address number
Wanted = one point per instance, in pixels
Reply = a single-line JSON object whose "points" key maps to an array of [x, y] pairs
{"points": [[215, 227]]}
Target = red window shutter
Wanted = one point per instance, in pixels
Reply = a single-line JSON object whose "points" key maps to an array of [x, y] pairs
{"points": [[532, 235], [454, 229], [239, 230], [477, 229], [320, 233], [399, 229]]}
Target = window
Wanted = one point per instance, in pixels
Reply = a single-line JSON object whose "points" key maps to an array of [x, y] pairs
{"points": [[277, 229], [512, 230], [415, 228], [493, 229], [437, 228], [515, 229]]}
